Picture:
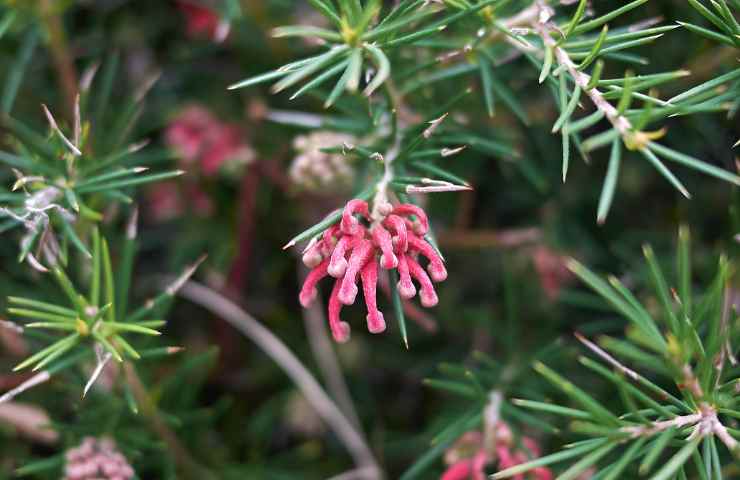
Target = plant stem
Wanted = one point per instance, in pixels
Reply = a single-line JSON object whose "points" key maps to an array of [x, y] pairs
{"points": [[545, 30], [304, 380]]}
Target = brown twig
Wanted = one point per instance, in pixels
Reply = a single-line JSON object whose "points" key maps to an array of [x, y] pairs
{"points": [[299, 374]]}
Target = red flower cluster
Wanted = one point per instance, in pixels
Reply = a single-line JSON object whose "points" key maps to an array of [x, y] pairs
{"points": [[204, 141], [351, 249], [468, 457]]}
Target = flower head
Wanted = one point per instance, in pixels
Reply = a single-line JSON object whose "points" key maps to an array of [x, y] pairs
{"points": [[205, 142], [96, 459], [358, 246], [468, 457]]}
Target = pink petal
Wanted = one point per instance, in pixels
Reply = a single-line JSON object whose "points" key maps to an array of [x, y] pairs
{"points": [[426, 292], [382, 240], [369, 275], [436, 266], [339, 329], [308, 291]]}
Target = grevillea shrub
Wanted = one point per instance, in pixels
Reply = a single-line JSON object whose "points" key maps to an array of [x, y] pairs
{"points": [[451, 173]]}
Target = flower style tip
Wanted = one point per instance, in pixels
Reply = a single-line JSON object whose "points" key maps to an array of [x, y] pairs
{"points": [[427, 293], [339, 329], [375, 319], [309, 292]]}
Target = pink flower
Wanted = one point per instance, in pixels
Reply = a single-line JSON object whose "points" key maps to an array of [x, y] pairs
{"points": [[96, 459], [205, 142], [203, 21], [468, 457], [351, 249]]}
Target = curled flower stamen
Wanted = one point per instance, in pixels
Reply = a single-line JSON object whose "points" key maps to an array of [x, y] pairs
{"points": [[383, 240], [405, 286], [369, 276], [349, 224], [339, 329], [338, 263], [360, 255], [426, 292], [308, 292], [436, 267], [398, 226], [407, 209]]}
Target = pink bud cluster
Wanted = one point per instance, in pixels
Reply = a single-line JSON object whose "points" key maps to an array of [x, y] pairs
{"points": [[318, 171], [97, 459], [350, 250], [468, 457]]}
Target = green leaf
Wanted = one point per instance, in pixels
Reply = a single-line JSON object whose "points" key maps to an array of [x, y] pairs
{"points": [[667, 174], [110, 295], [550, 459], [383, 72], [130, 182], [656, 448], [586, 462], [546, 65], [18, 69], [306, 31], [569, 108], [599, 21], [398, 307], [595, 50], [694, 163], [552, 408], [39, 305], [487, 83], [317, 64], [619, 466], [706, 86], [672, 466], [321, 78], [610, 182], [578, 395], [577, 16]]}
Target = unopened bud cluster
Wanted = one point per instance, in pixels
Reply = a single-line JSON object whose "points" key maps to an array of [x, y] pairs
{"points": [[97, 459], [394, 240], [315, 170]]}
